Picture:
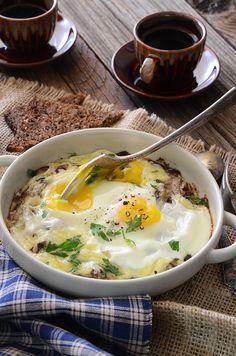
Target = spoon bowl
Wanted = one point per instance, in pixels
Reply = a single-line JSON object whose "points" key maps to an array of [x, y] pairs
{"points": [[213, 162]]}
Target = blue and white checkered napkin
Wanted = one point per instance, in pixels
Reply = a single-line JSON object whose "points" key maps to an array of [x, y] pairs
{"points": [[36, 321]]}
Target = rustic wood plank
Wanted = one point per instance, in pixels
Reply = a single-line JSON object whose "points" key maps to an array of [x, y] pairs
{"points": [[45, 75], [111, 24], [79, 70], [221, 14], [106, 25]]}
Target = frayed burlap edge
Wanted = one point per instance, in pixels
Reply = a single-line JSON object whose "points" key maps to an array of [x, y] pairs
{"points": [[15, 91], [184, 319]]}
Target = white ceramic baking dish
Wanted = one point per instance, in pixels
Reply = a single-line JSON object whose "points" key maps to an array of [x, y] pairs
{"points": [[85, 141]]}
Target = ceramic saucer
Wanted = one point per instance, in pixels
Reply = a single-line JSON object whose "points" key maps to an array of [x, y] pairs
{"points": [[126, 70], [62, 40]]}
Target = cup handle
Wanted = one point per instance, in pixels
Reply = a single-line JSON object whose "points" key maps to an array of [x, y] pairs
{"points": [[226, 253], [6, 160], [147, 69]]}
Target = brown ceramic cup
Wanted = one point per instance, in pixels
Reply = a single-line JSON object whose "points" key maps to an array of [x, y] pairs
{"points": [[162, 65], [27, 33]]}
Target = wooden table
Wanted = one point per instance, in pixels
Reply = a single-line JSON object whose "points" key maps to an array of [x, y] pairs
{"points": [[104, 25]]}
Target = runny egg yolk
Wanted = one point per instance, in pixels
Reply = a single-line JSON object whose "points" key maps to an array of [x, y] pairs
{"points": [[136, 206], [132, 174], [78, 201]]}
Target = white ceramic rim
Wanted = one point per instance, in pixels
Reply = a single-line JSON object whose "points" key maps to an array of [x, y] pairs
{"points": [[210, 244]]}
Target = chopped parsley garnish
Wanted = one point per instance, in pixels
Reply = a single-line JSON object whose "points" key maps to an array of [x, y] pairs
{"points": [[154, 186], [198, 201], [62, 250], [174, 245], [128, 241], [93, 175], [74, 261], [31, 173], [51, 247], [104, 232], [92, 179], [108, 267], [112, 232], [134, 224], [69, 245], [59, 253], [44, 214], [42, 205], [99, 230]]}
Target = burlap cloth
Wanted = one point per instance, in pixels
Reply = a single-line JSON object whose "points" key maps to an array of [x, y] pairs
{"points": [[197, 318]]}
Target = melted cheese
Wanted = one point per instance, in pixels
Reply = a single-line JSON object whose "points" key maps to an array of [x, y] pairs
{"points": [[140, 236]]}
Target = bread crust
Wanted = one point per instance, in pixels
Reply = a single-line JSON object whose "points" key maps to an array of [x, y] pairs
{"points": [[41, 119]]}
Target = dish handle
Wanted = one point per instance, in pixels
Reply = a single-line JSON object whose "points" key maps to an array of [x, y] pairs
{"points": [[226, 253], [6, 160]]}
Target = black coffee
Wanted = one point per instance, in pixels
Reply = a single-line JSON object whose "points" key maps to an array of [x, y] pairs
{"points": [[23, 11], [169, 38]]}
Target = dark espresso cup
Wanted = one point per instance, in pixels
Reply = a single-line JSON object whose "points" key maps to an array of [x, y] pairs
{"points": [[27, 25], [168, 47]]}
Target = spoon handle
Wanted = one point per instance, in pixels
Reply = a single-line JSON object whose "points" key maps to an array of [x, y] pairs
{"points": [[225, 100]]}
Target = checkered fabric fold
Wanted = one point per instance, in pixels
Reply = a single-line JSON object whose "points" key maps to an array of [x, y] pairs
{"points": [[36, 321]]}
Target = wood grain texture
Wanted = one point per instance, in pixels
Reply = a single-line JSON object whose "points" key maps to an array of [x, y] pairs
{"points": [[79, 70], [104, 25], [221, 14]]}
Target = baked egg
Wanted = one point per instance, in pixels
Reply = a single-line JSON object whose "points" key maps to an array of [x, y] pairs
{"points": [[140, 219]]}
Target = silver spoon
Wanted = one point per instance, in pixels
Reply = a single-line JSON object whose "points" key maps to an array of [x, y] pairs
{"points": [[213, 162], [216, 166], [229, 200], [112, 161], [228, 195]]}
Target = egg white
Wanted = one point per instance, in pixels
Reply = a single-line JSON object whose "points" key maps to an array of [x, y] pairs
{"points": [[150, 251]]}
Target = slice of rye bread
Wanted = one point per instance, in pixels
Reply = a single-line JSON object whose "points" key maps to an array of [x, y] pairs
{"points": [[76, 99], [43, 119], [14, 116]]}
